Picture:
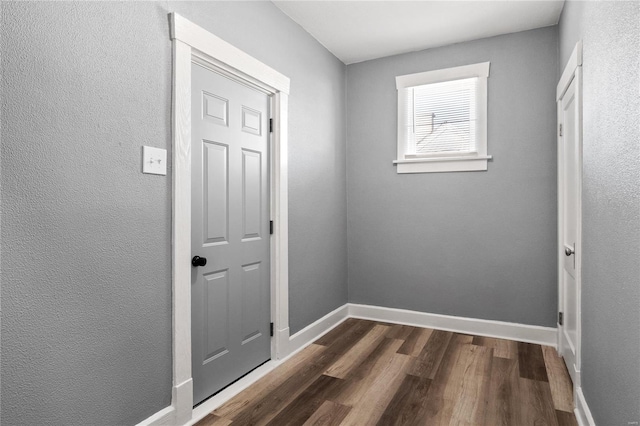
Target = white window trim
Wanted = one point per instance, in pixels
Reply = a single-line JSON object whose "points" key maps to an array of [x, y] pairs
{"points": [[465, 162]]}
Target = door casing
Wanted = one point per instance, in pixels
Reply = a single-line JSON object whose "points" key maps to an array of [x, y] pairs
{"points": [[193, 43], [572, 71]]}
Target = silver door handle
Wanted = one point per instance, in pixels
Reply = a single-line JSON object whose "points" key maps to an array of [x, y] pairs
{"points": [[568, 251]]}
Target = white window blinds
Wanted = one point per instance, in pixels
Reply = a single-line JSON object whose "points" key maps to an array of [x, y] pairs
{"points": [[441, 118]]}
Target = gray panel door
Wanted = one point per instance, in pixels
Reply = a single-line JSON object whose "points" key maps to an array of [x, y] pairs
{"points": [[230, 295]]}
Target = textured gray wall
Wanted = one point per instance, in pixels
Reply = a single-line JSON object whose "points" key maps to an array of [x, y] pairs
{"points": [[86, 276], [611, 203], [473, 244], [86, 290]]}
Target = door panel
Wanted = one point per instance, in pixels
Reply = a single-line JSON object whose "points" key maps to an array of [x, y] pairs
{"points": [[216, 299], [570, 312], [251, 194], [230, 218], [251, 297], [215, 109], [216, 193], [251, 121]]}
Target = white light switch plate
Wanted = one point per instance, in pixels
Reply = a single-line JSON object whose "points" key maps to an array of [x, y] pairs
{"points": [[154, 160]]}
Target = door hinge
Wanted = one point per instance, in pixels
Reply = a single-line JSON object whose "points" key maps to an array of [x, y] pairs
{"points": [[271, 329], [560, 130], [560, 318], [271, 227], [271, 125]]}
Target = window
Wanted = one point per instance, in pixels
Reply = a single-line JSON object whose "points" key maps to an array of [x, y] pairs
{"points": [[442, 120]]}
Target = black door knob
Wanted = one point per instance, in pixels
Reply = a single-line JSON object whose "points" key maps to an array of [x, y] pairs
{"points": [[198, 261]]}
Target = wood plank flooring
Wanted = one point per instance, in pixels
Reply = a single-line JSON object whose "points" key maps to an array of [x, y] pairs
{"points": [[372, 373]]}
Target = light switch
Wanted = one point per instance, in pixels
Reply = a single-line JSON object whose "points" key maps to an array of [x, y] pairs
{"points": [[154, 160]]}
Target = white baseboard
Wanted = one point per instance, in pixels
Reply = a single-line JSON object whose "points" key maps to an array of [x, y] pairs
{"points": [[582, 411], [173, 415], [504, 330], [306, 336], [164, 417], [314, 331]]}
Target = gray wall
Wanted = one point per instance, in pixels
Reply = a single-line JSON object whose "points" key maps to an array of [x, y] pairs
{"points": [[473, 244], [611, 203], [86, 290], [86, 276]]}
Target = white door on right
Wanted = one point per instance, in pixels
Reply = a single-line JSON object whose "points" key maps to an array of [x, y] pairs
{"points": [[569, 227]]}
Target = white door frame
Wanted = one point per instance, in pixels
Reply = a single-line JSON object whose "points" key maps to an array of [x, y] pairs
{"points": [[193, 43], [573, 70]]}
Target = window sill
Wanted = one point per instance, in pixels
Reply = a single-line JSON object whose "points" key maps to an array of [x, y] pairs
{"points": [[444, 164]]}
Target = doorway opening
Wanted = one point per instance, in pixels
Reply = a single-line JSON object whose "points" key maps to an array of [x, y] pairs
{"points": [[569, 102], [192, 43]]}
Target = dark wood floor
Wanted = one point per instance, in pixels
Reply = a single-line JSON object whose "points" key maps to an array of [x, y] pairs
{"points": [[371, 373]]}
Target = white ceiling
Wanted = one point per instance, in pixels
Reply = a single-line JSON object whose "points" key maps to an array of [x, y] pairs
{"points": [[357, 31]]}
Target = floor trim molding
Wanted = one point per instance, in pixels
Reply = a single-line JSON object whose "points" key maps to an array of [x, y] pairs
{"points": [[306, 336], [582, 411], [503, 330], [312, 332], [164, 417]]}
